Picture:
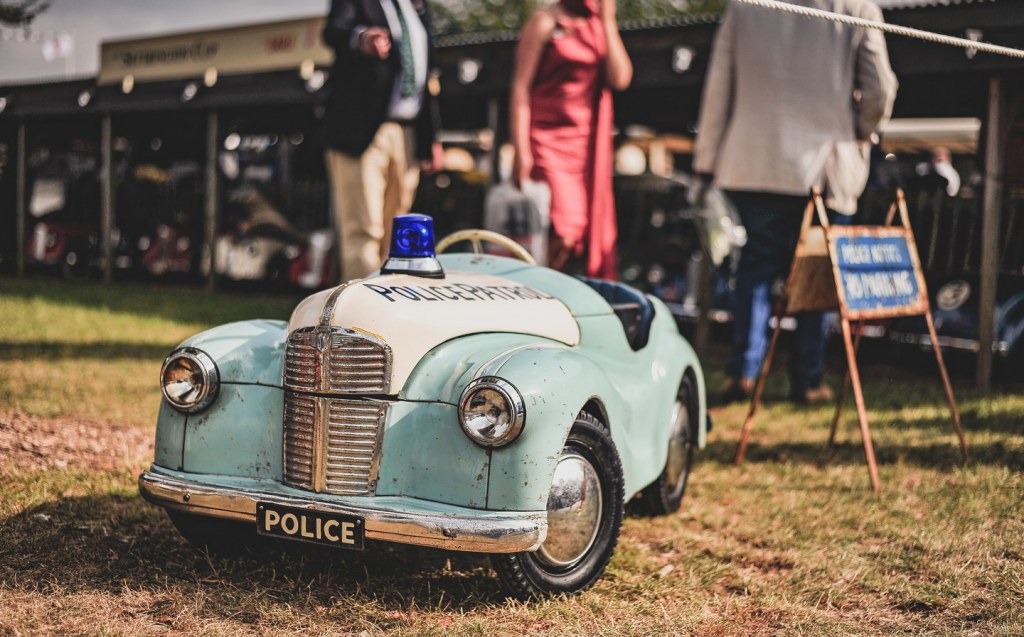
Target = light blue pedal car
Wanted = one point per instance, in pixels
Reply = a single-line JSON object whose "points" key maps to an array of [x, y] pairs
{"points": [[467, 402]]}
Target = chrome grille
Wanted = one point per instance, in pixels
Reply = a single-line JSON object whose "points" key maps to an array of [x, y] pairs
{"points": [[353, 435], [332, 444], [300, 362], [356, 366], [337, 361], [341, 436], [299, 439]]}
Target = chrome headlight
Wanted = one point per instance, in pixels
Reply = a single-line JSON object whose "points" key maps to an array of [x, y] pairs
{"points": [[189, 379], [492, 411]]}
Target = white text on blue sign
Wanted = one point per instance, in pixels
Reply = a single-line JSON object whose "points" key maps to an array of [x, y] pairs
{"points": [[876, 272]]}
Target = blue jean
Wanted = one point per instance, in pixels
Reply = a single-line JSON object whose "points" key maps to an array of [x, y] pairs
{"points": [[772, 222]]}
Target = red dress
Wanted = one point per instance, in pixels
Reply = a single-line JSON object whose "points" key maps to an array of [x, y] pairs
{"points": [[571, 141]]}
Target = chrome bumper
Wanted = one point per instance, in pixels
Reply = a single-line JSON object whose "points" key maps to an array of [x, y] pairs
{"points": [[455, 529], [999, 348]]}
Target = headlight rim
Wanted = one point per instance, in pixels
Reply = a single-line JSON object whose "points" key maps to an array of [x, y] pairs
{"points": [[211, 378], [514, 400]]}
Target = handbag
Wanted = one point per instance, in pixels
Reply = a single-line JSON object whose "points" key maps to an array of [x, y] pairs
{"points": [[522, 215]]}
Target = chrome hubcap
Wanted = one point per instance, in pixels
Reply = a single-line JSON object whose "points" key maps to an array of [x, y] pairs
{"points": [[678, 445], [574, 512]]}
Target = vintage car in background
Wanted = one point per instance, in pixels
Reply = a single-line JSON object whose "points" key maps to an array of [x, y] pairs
{"points": [[169, 201], [66, 245], [263, 255], [467, 402], [263, 246], [169, 250], [259, 243], [315, 266], [259, 246], [72, 247], [955, 311]]}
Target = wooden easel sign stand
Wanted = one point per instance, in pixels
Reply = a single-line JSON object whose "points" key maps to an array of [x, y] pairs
{"points": [[865, 272]]}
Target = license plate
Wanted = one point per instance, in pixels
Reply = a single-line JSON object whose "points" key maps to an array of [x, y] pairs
{"points": [[330, 529]]}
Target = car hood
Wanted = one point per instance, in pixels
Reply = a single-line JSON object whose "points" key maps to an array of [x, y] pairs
{"points": [[413, 314]]}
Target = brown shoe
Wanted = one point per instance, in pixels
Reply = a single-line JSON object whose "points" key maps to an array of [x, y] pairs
{"points": [[816, 396], [736, 390]]}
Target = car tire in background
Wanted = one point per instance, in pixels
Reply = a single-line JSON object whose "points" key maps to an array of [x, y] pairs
{"points": [[585, 507], [664, 495]]}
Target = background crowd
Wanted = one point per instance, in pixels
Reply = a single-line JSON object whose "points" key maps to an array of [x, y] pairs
{"points": [[789, 104]]}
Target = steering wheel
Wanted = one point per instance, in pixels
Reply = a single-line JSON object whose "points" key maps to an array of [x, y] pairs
{"points": [[477, 238]]}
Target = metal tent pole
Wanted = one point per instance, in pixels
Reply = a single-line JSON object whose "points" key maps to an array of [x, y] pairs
{"points": [[990, 231], [212, 193], [106, 199], [20, 201]]}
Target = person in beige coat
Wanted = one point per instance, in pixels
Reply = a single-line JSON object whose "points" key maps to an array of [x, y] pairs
{"points": [[789, 103]]}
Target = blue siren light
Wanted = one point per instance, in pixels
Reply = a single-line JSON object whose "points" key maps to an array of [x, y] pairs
{"points": [[412, 248], [412, 236]]}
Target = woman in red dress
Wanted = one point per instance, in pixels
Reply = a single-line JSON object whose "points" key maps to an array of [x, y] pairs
{"points": [[569, 58]]}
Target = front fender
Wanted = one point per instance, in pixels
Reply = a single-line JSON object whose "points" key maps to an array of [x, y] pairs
{"points": [[555, 382], [633, 393], [426, 454], [240, 433], [444, 372], [249, 352]]}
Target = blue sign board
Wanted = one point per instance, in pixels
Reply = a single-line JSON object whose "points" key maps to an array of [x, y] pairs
{"points": [[877, 272]]}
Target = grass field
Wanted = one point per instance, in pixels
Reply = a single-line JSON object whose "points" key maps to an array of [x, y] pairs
{"points": [[791, 542]]}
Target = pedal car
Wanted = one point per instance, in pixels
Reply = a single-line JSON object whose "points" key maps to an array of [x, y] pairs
{"points": [[467, 402]]}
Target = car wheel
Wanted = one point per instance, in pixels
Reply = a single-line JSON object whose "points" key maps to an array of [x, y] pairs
{"points": [[585, 508], [221, 537], [664, 495]]}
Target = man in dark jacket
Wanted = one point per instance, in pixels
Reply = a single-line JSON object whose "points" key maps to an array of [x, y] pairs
{"points": [[382, 120]]}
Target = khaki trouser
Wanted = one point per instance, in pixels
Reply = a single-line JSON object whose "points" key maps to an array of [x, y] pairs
{"points": [[367, 192]]}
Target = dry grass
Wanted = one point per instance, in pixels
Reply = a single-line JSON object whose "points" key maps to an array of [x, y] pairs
{"points": [[792, 542]]}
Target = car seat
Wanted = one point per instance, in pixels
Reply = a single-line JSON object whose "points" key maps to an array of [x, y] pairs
{"points": [[632, 307]]}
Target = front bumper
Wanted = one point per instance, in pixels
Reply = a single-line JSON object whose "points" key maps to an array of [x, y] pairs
{"points": [[388, 518], [924, 341]]}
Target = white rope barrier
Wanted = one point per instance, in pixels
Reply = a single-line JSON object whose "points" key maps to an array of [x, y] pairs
{"points": [[889, 28]]}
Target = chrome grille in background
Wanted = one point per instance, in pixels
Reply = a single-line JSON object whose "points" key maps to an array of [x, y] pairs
{"points": [[348, 362], [299, 439], [353, 433]]}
